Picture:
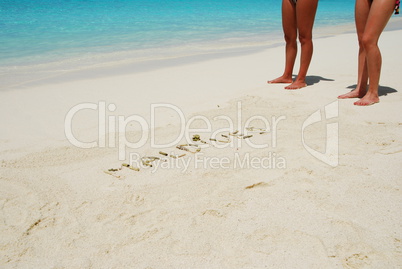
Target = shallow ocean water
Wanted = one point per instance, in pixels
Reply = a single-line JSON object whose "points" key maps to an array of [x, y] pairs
{"points": [[40, 38], [47, 30]]}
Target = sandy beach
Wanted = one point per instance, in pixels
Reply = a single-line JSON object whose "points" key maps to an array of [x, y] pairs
{"points": [[317, 184]]}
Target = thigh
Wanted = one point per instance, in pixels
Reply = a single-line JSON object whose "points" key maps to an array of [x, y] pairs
{"points": [[289, 18], [305, 12], [362, 9], [378, 17]]}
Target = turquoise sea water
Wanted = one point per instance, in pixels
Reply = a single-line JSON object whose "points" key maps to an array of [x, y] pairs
{"points": [[85, 32]]}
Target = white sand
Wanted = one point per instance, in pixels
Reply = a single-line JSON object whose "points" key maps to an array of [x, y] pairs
{"points": [[58, 209]]}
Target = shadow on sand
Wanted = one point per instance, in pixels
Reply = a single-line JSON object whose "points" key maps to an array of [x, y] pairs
{"points": [[311, 80], [382, 90]]}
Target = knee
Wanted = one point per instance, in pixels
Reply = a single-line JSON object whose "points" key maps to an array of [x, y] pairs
{"points": [[290, 39], [367, 42], [305, 39], [361, 46]]}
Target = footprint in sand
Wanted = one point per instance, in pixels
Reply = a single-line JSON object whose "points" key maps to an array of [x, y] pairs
{"points": [[357, 260], [391, 150], [19, 209]]}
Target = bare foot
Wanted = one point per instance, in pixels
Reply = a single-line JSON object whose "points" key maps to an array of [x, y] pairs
{"points": [[281, 79], [367, 100], [353, 94], [296, 85]]}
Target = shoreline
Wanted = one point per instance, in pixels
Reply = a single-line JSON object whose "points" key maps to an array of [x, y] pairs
{"points": [[37, 74], [133, 61]]}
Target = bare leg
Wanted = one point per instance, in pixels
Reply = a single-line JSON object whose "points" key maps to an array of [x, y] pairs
{"points": [[379, 15], [305, 14], [362, 10], [290, 31]]}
